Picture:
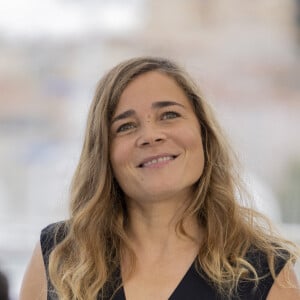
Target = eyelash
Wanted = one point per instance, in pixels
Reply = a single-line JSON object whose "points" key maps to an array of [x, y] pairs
{"points": [[125, 127], [173, 114], [165, 116]]}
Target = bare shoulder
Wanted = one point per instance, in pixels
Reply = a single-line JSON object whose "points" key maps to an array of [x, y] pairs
{"points": [[34, 285], [279, 290]]}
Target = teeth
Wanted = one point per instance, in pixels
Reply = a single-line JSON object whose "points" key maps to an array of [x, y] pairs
{"points": [[159, 160]]}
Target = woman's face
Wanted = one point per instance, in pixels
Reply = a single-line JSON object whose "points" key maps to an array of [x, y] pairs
{"points": [[156, 148]]}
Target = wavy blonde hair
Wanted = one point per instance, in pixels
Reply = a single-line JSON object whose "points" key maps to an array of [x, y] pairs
{"points": [[88, 258]]}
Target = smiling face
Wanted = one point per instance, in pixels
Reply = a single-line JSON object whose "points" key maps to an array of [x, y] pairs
{"points": [[156, 148]]}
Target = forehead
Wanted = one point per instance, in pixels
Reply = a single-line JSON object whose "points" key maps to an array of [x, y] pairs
{"points": [[151, 87]]}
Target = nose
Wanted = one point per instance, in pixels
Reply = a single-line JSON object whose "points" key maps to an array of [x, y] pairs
{"points": [[151, 134]]}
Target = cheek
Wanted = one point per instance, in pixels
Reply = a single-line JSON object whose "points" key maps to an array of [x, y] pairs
{"points": [[119, 156], [191, 138], [193, 142]]}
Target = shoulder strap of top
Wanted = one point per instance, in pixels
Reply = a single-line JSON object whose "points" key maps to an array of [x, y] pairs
{"points": [[50, 236], [259, 260], [55, 233]]}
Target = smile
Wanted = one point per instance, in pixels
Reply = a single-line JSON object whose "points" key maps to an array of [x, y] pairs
{"points": [[156, 161]]}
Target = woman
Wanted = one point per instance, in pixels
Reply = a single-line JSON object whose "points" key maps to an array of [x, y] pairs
{"points": [[154, 210]]}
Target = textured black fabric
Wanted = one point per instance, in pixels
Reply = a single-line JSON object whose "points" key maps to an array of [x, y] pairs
{"points": [[52, 235], [193, 286]]}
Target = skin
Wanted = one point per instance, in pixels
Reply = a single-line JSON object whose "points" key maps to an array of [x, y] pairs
{"points": [[156, 192], [155, 119], [278, 292], [34, 285]]}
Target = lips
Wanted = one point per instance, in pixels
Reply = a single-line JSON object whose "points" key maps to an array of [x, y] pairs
{"points": [[156, 160]]}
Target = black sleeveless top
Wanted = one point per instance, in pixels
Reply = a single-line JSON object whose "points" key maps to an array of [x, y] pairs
{"points": [[193, 286]]}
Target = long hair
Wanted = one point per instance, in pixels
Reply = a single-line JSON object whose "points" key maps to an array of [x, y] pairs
{"points": [[88, 258]]}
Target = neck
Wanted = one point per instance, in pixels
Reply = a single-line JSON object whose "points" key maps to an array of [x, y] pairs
{"points": [[152, 228]]}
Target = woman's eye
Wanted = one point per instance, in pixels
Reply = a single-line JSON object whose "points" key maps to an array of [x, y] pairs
{"points": [[125, 127], [170, 115]]}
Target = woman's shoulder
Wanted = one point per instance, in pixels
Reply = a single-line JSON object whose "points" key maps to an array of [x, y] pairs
{"points": [[260, 260], [52, 235], [57, 230]]}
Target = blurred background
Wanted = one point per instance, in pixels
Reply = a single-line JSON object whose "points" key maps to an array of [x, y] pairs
{"points": [[243, 54]]}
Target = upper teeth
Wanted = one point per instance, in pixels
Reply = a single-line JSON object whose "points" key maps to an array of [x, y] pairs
{"points": [[157, 160]]}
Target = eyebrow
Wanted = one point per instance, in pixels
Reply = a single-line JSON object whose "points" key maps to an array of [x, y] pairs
{"points": [[160, 104], [124, 115], [155, 105]]}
